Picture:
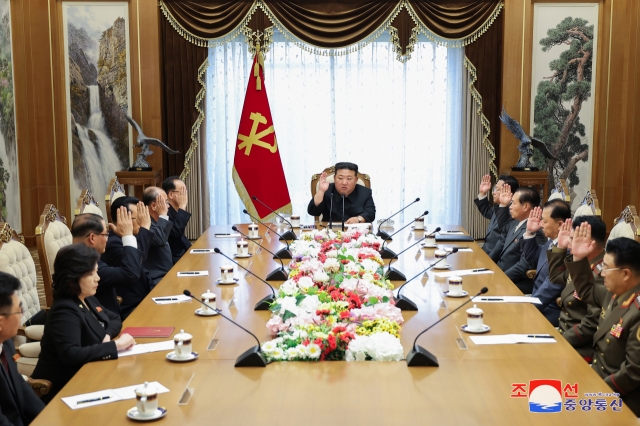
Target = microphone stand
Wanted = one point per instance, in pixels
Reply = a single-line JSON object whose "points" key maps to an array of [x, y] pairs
{"points": [[393, 273], [404, 303], [252, 357], [283, 253], [419, 356], [276, 275], [289, 235], [386, 253], [264, 303], [342, 212], [331, 210], [384, 235]]}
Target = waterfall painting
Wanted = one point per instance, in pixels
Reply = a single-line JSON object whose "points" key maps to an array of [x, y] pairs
{"points": [[9, 180], [96, 41]]}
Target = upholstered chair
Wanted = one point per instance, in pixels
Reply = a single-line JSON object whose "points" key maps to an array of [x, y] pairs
{"points": [[363, 179], [87, 204], [561, 192], [626, 225], [589, 206], [115, 191], [52, 234]]}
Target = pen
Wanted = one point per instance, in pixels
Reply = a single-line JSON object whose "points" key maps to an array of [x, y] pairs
{"points": [[200, 250], [190, 273], [492, 300], [165, 298], [541, 336], [480, 270], [93, 400]]}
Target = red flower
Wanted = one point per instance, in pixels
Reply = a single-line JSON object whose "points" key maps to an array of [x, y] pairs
{"points": [[345, 315], [339, 328]]}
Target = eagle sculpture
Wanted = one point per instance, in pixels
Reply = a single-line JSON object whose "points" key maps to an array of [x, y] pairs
{"points": [[527, 143], [142, 142]]}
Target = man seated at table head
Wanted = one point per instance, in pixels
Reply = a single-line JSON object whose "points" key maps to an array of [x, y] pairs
{"points": [[550, 219], [507, 252], [160, 259], [344, 195], [132, 292], [578, 321], [90, 230], [19, 404], [488, 210], [178, 198]]}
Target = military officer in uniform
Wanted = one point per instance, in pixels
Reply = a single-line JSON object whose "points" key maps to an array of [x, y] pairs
{"points": [[617, 338], [578, 320]]}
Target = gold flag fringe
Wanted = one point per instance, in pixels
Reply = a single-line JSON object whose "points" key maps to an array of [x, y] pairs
{"points": [[196, 126], [485, 122]]}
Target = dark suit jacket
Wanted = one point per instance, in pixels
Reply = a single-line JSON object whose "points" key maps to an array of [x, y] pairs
{"points": [[72, 337], [111, 277], [160, 259], [543, 288], [178, 242], [132, 292], [489, 211], [358, 203], [19, 404]]}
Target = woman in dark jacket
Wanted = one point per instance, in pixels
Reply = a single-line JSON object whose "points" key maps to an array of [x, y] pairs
{"points": [[78, 330]]}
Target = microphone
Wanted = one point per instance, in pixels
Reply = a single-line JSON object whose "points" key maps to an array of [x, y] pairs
{"points": [[283, 253], [251, 358], [342, 212], [383, 234], [386, 253], [289, 235], [393, 273], [404, 303], [263, 304], [419, 356], [278, 274]]}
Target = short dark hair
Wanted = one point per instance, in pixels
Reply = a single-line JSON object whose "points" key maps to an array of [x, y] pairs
{"points": [[72, 263], [85, 224], [598, 227], [8, 285], [560, 209], [511, 181], [150, 194], [346, 166], [626, 253], [125, 201], [169, 184], [528, 195]]}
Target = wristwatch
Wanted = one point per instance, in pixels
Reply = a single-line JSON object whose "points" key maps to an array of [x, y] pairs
{"points": [[360, 219]]}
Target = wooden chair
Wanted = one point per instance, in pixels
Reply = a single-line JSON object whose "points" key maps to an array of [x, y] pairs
{"points": [[87, 204], [115, 191], [363, 179], [626, 225], [52, 234], [589, 206], [561, 192], [39, 386]]}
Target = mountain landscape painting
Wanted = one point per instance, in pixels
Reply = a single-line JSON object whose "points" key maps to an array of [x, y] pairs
{"points": [[9, 181], [97, 75]]}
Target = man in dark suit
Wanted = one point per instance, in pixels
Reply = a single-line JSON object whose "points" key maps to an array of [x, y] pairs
{"points": [[160, 259], [507, 252], [489, 210], [178, 198], [132, 292], [550, 218], [90, 230], [344, 199], [19, 404]]}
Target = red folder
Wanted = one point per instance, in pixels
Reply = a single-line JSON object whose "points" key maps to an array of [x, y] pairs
{"points": [[149, 331]]}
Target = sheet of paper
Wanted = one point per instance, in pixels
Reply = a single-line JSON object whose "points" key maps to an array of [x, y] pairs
{"points": [[451, 232], [135, 350], [201, 251], [509, 339], [227, 235], [90, 399], [508, 299], [129, 392], [165, 300], [166, 345], [459, 249], [193, 273], [461, 272]]}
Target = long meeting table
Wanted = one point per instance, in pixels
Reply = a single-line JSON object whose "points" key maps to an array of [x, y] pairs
{"points": [[473, 385]]}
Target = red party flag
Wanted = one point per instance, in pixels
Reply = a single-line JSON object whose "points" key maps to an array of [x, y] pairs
{"points": [[257, 168]]}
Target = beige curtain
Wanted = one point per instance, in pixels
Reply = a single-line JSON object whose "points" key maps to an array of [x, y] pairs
{"points": [[198, 189]]}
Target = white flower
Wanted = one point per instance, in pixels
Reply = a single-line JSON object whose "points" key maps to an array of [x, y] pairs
{"points": [[332, 253], [331, 265], [292, 353], [367, 277], [288, 304], [310, 303], [277, 353], [380, 347], [302, 351], [305, 283], [321, 277], [313, 351], [269, 346], [349, 284], [289, 288], [351, 267], [370, 266]]}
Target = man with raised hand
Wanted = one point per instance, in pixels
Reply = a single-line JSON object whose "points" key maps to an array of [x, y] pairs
{"points": [[617, 339], [578, 320], [178, 198], [550, 218], [160, 259], [488, 210]]}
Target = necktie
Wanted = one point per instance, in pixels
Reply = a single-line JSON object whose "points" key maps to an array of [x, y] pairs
{"points": [[3, 358]]}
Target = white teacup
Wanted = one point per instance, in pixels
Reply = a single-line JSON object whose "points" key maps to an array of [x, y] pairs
{"points": [[242, 248], [455, 285], [226, 273], [418, 224], [295, 221], [146, 400], [182, 344], [253, 230], [210, 299], [430, 241], [475, 318]]}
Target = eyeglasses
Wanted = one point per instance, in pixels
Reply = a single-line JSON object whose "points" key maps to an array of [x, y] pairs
{"points": [[21, 312], [104, 234], [608, 269]]}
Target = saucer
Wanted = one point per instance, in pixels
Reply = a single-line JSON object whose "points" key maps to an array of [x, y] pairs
{"points": [[171, 356], [234, 281], [429, 246], [484, 329], [202, 313], [414, 228], [441, 266], [254, 238], [446, 293], [242, 256], [134, 415]]}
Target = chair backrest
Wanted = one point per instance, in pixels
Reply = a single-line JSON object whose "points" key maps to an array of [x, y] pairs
{"points": [[87, 204], [15, 259], [115, 191], [561, 192], [363, 179], [626, 225], [589, 206], [52, 234]]}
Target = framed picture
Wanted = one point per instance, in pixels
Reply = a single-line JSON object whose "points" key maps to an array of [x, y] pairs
{"points": [[98, 90], [565, 39]]}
